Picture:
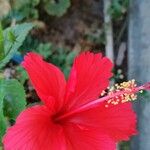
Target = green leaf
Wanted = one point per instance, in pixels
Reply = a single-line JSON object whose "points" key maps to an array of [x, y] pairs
{"points": [[118, 8], [21, 4], [45, 49], [56, 8], [2, 125], [70, 57], [2, 118], [13, 39], [12, 102], [1, 43], [11, 36], [26, 9], [22, 75], [15, 100]]}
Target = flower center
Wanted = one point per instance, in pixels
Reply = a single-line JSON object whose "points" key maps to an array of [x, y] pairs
{"points": [[55, 118], [128, 89]]}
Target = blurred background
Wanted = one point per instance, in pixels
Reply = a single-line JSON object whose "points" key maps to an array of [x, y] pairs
{"points": [[61, 29]]}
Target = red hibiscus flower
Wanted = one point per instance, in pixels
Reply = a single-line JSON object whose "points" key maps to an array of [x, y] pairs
{"points": [[72, 116]]}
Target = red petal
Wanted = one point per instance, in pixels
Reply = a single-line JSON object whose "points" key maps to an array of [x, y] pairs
{"points": [[46, 78], [89, 76], [80, 138], [34, 130], [118, 122]]}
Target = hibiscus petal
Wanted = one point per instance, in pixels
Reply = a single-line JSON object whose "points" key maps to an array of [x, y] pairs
{"points": [[46, 78], [118, 122], [80, 138], [89, 76], [34, 130]]}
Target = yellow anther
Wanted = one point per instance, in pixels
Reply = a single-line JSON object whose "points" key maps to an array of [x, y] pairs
{"points": [[127, 96], [103, 93]]}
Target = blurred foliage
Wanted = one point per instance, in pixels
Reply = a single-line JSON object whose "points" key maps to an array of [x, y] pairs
{"points": [[124, 146], [97, 36], [13, 39], [118, 8], [45, 49], [12, 102], [4, 8], [2, 118], [56, 7], [22, 10], [1, 43], [60, 56], [21, 74]]}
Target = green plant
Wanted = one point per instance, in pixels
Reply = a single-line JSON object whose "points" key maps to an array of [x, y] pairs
{"points": [[28, 9], [118, 8], [45, 49], [25, 9], [10, 41], [96, 37], [124, 145], [12, 94], [1, 43], [21, 75], [56, 7], [12, 102]]}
